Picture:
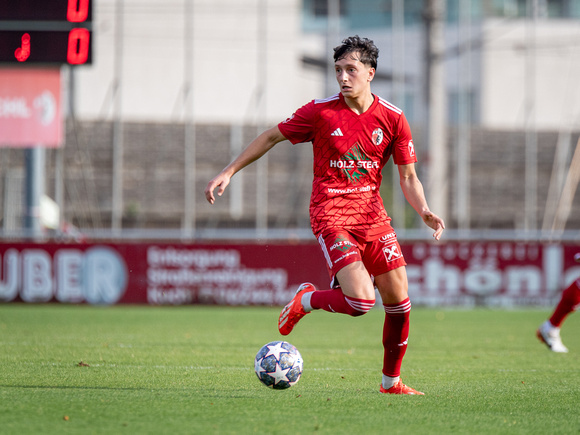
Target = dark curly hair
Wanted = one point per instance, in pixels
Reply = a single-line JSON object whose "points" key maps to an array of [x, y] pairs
{"points": [[366, 49]]}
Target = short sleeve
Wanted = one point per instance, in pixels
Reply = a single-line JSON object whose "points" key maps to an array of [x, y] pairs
{"points": [[403, 148], [300, 126]]}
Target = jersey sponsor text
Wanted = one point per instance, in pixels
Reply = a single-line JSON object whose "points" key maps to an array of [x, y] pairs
{"points": [[352, 164]]}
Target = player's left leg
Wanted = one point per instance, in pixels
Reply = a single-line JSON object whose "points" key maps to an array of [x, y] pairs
{"points": [[294, 310], [392, 287], [353, 291], [354, 297]]}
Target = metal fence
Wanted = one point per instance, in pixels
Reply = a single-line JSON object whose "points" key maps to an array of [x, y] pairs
{"points": [[154, 185]]}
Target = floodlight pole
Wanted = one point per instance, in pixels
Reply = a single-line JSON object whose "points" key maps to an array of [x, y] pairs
{"points": [[188, 224], [463, 182], [261, 109], [531, 147], [437, 185], [398, 62], [236, 189], [332, 40], [117, 200]]}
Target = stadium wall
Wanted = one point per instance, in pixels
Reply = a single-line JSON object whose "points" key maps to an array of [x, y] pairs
{"points": [[458, 273]]}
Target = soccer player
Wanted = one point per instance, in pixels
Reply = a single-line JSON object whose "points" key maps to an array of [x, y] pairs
{"points": [[353, 134], [549, 331]]}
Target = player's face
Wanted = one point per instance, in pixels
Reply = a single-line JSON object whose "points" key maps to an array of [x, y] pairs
{"points": [[353, 76]]}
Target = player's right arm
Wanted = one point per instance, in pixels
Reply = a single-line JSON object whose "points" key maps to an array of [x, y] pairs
{"points": [[413, 191], [256, 149]]}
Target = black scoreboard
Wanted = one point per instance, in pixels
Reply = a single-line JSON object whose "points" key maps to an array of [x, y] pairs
{"points": [[46, 32]]}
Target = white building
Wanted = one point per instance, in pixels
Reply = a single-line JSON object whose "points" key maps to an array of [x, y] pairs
{"points": [[246, 64], [244, 61], [537, 65]]}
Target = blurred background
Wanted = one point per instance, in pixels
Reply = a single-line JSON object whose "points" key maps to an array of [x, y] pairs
{"points": [[172, 90]]}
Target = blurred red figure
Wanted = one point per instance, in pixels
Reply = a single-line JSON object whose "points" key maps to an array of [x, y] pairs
{"points": [[549, 331]]}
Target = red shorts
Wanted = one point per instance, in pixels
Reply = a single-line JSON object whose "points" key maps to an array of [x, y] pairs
{"points": [[379, 255]]}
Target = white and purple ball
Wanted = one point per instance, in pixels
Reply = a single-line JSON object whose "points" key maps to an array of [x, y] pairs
{"points": [[278, 365]]}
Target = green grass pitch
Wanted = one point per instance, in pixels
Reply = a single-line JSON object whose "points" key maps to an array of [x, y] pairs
{"points": [[178, 370]]}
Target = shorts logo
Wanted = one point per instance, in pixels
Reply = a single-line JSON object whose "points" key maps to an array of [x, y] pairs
{"points": [[387, 237], [342, 244], [392, 252], [377, 136]]}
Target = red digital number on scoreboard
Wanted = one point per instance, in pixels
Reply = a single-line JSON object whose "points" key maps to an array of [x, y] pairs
{"points": [[77, 11], [23, 52], [78, 38], [78, 46]]}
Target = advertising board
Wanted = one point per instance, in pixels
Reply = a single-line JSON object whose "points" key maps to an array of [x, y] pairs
{"points": [[30, 109], [444, 274]]}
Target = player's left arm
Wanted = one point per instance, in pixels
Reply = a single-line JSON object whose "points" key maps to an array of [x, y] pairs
{"points": [[415, 195]]}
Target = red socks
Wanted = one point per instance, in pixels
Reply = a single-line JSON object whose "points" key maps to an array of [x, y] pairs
{"points": [[569, 301], [395, 335], [395, 329], [335, 301]]}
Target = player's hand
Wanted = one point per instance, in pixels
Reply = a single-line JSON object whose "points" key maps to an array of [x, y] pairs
{"points": [[221, 182], [435, 222]]}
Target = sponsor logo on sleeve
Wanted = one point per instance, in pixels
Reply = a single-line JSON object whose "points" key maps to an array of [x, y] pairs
{"points": [[411, 148]]}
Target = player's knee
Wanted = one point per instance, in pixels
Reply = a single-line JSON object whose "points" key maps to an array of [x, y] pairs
{"points": [[357, 313], [359, 307]]}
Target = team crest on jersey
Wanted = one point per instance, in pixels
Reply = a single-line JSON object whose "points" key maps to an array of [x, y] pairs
{"points": [[378, 136], [411, 148]]}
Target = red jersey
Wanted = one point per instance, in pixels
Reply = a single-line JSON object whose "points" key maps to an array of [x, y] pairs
{"points": [[350, 151]]}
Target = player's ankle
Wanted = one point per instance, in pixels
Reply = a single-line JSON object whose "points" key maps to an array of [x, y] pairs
{"points": [[306, 306], [390, 381]]}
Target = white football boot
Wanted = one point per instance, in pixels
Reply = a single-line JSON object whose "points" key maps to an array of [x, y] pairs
{"points": [[550, 335]]}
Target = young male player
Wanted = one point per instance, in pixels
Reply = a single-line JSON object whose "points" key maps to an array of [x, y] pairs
{"points": [[549, 331], [353, 133]]}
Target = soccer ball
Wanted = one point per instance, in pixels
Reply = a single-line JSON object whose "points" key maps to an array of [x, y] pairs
{"points": [[278, 365]]}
